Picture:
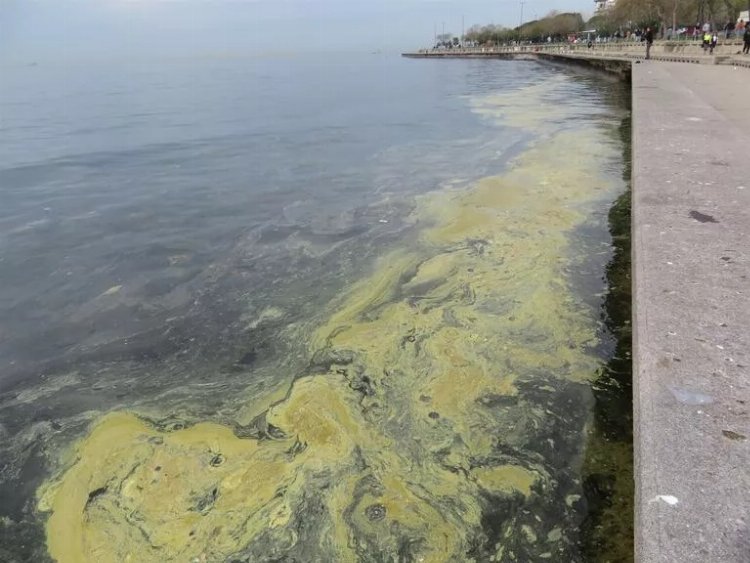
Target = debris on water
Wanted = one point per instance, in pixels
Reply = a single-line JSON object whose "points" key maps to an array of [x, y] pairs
{"points": [[111, 291], [529, 533]]}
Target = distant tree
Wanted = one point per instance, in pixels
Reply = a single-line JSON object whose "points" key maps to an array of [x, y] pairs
{"points": [[473, 33], [488, 34], [674, 13], [554, 24], [604, 24]]}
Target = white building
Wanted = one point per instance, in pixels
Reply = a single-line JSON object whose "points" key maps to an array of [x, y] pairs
{"points": [[602, 5]]}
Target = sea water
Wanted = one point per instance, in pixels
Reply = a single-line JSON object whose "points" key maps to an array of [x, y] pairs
{"points": [[293, 308]]}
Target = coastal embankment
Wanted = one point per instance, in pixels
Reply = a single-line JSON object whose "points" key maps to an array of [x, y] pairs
{"points": [[619, 54], [690, 222]]}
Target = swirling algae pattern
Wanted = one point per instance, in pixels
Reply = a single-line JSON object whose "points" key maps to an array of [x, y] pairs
{"points": [[443, 388]]}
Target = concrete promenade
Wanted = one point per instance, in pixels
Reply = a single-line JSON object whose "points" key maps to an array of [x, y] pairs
{"points": [[691, 290]]}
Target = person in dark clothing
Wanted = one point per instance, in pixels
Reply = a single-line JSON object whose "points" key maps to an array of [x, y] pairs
{"points": [[746, 37], [648, 36]]}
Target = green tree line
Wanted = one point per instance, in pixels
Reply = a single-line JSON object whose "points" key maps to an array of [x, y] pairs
{"points": [[625, 15], [555, 25]]}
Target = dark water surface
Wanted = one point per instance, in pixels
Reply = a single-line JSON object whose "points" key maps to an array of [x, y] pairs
{"points": [[343, 308]]}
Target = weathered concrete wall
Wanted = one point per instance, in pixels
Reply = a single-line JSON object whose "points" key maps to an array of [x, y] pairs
{"points": [[620, 67]]}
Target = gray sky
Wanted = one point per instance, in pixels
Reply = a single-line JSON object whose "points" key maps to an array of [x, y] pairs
{"points": [[75, 29]]}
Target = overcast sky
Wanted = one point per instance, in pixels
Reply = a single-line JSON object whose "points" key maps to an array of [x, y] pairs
{"points": [[47, 29]]}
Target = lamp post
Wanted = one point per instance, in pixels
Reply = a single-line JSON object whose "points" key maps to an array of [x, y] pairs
{"points": [[520, 23]]}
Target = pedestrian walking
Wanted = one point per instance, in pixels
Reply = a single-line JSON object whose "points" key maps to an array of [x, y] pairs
{"points": [[746, 48], [714, 41], [649, 38]]}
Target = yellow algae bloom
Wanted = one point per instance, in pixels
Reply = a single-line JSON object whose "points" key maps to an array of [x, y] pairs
{"points": [[526, 107], [507, 478], [443, 388]]}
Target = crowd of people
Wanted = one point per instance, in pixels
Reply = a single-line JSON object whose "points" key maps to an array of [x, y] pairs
{"points": [[705, 33], [709, 37]]}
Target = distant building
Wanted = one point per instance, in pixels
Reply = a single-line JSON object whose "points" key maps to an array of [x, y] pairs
{"points": [[602, 5]]}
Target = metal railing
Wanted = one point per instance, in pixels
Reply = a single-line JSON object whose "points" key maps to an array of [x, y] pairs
{"points": [[622, 45]]}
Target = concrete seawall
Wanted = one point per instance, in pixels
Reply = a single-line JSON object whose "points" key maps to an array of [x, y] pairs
{"points": [[691, 305], [727, 53], [614, 65]]}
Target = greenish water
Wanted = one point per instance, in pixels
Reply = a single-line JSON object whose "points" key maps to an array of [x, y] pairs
{"points": [[406, 345], [609, 478]]}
